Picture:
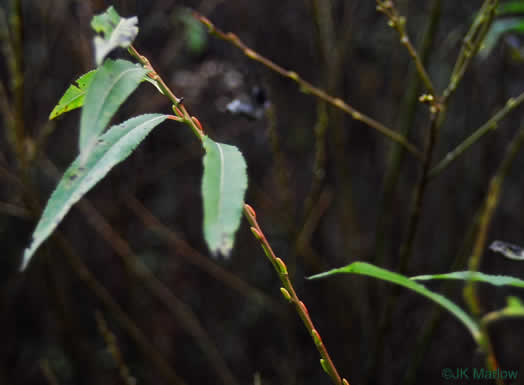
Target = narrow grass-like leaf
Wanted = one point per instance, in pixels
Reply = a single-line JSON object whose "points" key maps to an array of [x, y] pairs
{"points": [[118, 32], [496, 280], [224, 184], [74, 95], [110, 87], [386, 275], [110, 149]]}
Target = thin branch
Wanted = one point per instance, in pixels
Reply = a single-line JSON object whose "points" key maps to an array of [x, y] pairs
{"points": [[488, 210], [490, 125], [399, 24], [472, 43], [308, 88], [288, 290], [112, 347], [289, 293], [127, 324]]}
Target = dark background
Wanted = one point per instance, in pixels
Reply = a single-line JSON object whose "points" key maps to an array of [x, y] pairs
{"points": [[224, 321]]}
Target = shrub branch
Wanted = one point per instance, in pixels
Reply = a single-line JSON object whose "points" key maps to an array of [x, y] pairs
{"points": [[308, 88]]}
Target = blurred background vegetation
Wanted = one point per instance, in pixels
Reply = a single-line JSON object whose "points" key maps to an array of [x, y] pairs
{"points": [[316, 182]]}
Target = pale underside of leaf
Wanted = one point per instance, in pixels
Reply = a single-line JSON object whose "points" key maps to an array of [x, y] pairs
{"points": [[110, 87], [223, 188], [118, 32], [111, 148]]}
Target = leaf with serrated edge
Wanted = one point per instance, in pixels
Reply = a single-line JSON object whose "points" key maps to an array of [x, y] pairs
{"points": [[118, 32], [110, 87], [74, 95], [110, 149], [386, 275], [224, 185]]}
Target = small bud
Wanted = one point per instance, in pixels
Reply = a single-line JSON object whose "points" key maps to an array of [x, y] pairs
{"points": [[250, 210], [281, 266], [324, 365], [345, 382], [426, 98], [250, 53], [292, 75], [197, 122], [286, 294], [316, 338], [256, 233], [176, 110]]}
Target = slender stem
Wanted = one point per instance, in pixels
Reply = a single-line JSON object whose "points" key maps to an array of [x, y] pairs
{"points": [[472, 43], [278, 264], [490, 125], [489, 207], [127, 324], [399, 24], [113, 348], [308, 88], [289, 292], [407, 117], [412, 227]]}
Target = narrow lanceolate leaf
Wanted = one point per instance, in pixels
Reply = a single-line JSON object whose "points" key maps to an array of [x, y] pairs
{"points": [[496, 280], [74, 95], [223, 187], [110, 87], [386, 275], [118, 32], [110, 149]]}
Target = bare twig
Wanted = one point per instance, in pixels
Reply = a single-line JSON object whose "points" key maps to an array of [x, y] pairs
{"points": [[112, 347], [490, 125], [398, 22], [488, 210], [289, 293], [308, 88], [472, 43], [149, 351]]}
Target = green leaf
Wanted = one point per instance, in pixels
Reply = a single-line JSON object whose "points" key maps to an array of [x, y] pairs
{"points": [[386, 275], [110, 87], [74, 95], [496, 280], [510, 8], [118, 32], [224, 184], [110, 149], [514, 308], [195, 33], [499, 28]]}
